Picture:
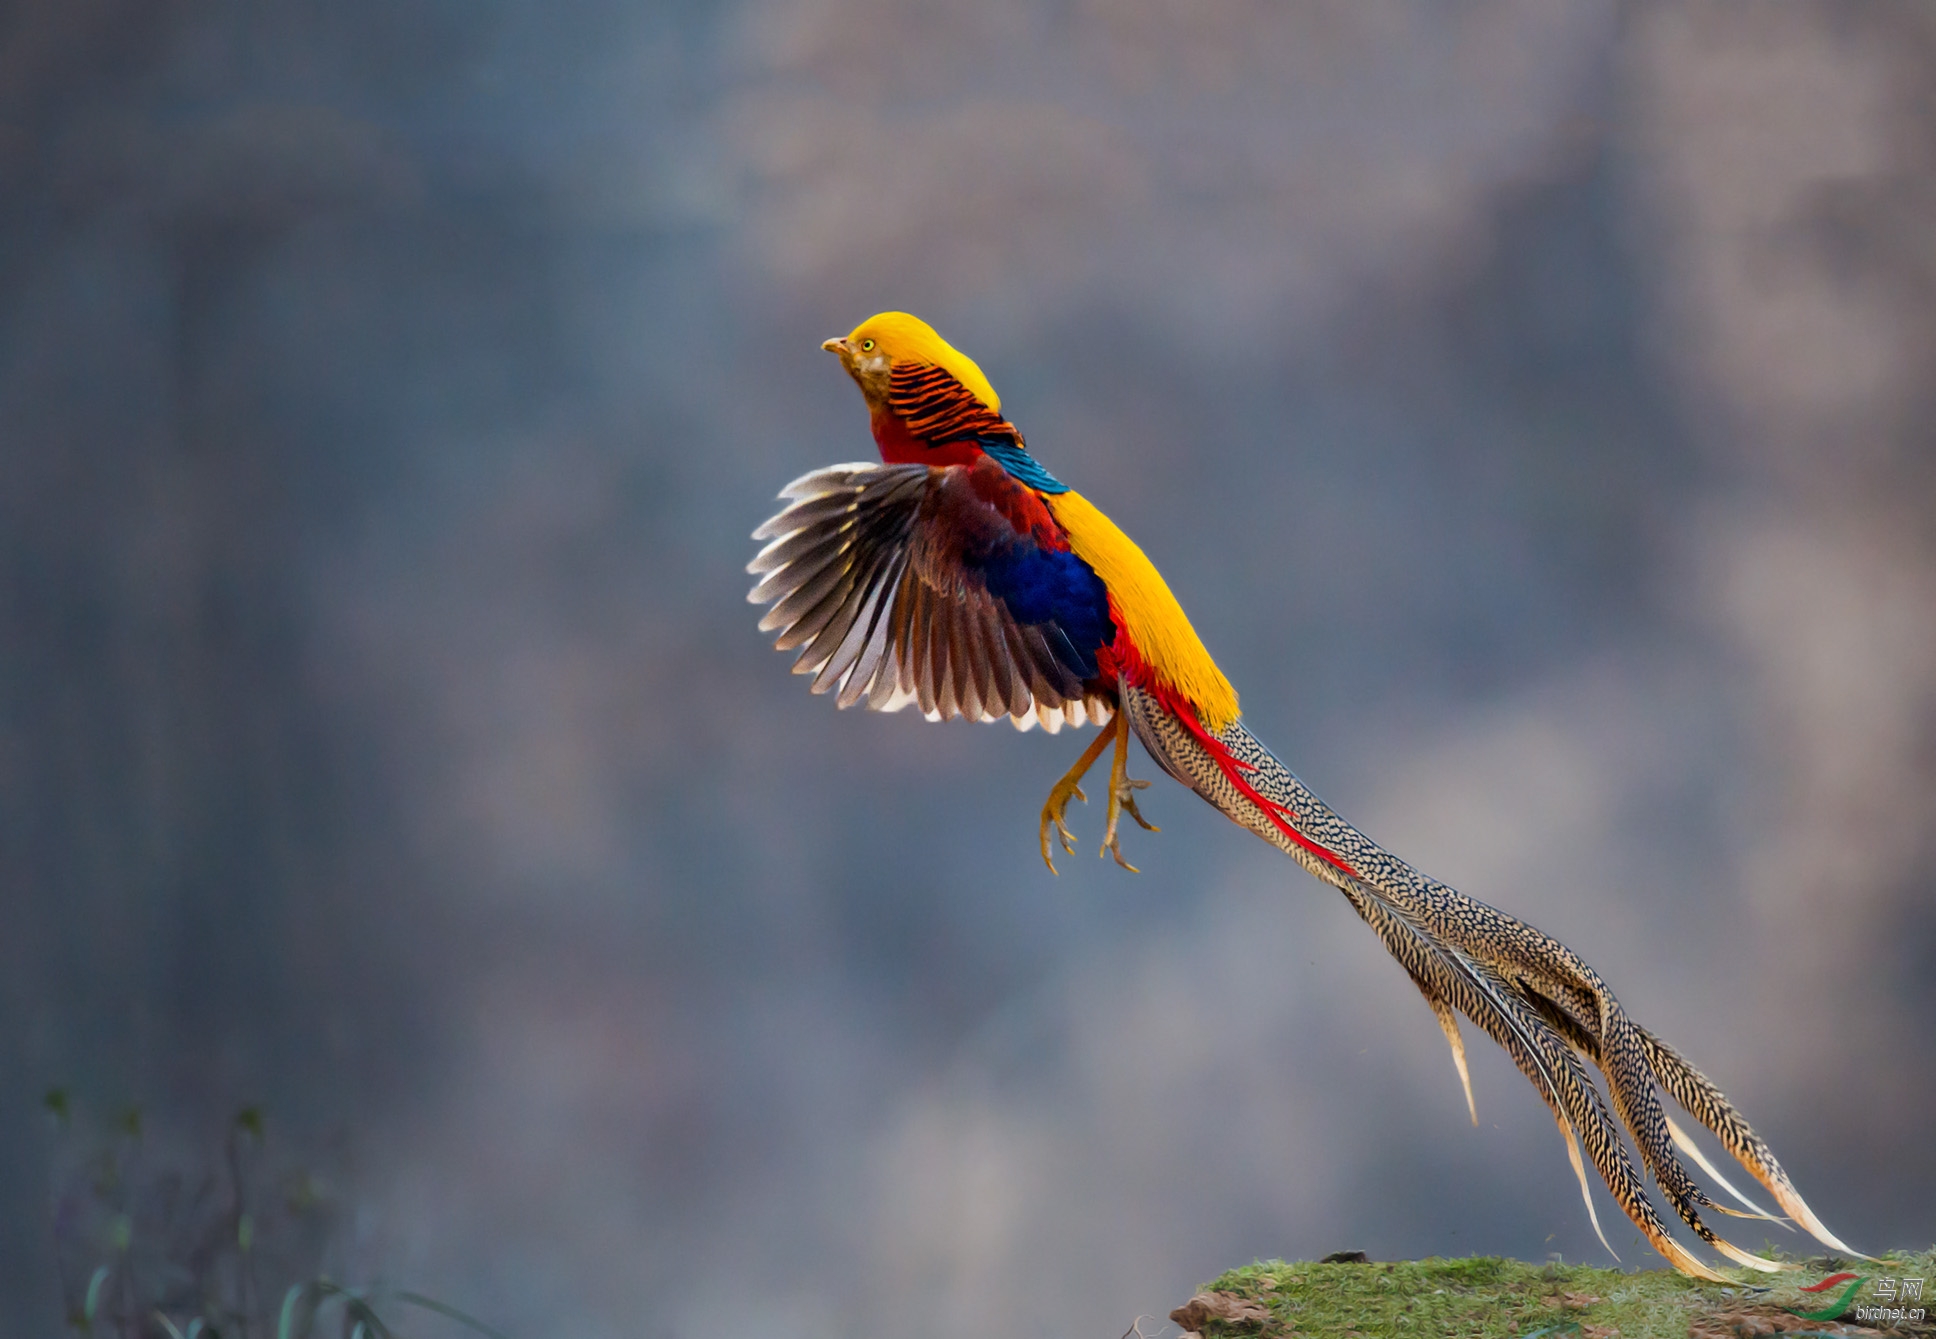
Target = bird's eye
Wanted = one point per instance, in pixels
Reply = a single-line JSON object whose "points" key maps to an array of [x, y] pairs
{"points": [[867, 346]]}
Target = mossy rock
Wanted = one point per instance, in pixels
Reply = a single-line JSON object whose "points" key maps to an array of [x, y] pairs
{"points": [[1486, 1297]]}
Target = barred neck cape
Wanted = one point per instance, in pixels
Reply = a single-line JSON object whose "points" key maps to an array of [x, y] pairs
{"points": [[931, 418], [936, 407]]}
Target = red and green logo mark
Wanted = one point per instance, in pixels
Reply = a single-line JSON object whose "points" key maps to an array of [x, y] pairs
{"points": [[1842, 1300], [1892, 1296]]}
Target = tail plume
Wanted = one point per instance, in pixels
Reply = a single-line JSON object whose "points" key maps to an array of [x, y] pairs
{"points": [[1531, 994]]}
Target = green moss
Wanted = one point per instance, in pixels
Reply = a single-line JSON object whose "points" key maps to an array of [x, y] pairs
{"points": [[1491, 1298]]}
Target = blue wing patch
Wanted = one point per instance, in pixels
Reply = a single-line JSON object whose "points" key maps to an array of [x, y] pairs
{"points": [[1053, 589]]}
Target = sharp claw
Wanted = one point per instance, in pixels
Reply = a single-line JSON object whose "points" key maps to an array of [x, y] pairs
{"points": [[1046, 858], [1122, 797], [1112, 839], [1052, 812]]}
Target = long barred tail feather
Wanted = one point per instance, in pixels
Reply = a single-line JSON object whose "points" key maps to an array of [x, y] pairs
{"points": [[1449, 1024], [1531, 994], [1685, 1143], [1586, 1191], [1703, 1101]]}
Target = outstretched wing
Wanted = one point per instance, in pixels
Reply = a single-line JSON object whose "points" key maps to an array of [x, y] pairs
{"points": [[950, 588]]}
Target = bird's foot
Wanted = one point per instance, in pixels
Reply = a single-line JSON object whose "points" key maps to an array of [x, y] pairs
{"points": [[1052, 811], [1122, 799], [1122, 796], [1068, 788]]}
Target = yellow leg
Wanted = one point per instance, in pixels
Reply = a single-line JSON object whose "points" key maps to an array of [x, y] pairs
{"points": [[1068, 788], [1122, 794]]}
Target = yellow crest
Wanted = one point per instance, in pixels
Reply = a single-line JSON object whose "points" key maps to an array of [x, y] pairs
{"points": [[909, 339]]}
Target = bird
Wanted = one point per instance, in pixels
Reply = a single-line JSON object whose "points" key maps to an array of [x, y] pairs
{"points": [[959, 576]]}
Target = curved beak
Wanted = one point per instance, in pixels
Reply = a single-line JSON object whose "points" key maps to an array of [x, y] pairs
{"points": [[838, 345]]}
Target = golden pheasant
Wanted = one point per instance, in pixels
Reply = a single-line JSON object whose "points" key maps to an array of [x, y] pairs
{"points": [[959, 575]]}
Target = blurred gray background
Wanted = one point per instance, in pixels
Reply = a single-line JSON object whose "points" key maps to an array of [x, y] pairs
{"points": [[1531, 403]]}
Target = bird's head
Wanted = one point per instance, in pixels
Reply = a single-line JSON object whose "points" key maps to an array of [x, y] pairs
{"points": [[877, 344]]}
